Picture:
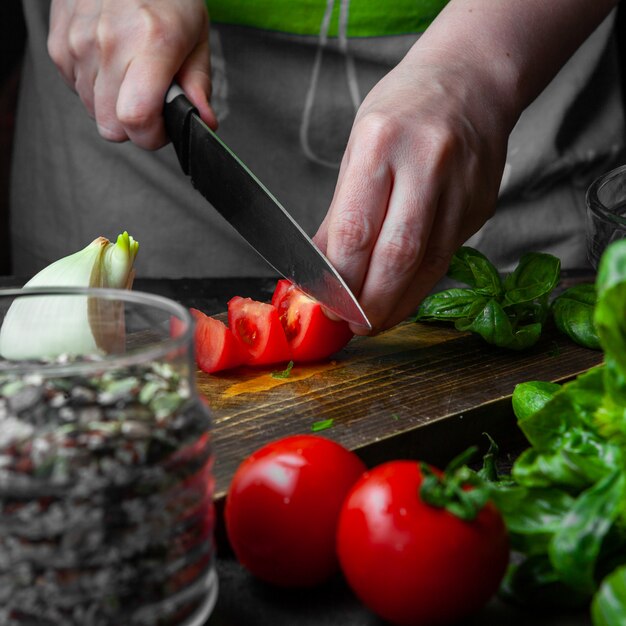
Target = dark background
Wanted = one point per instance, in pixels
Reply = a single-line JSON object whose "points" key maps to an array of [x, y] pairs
{"points": [[12, 38]]}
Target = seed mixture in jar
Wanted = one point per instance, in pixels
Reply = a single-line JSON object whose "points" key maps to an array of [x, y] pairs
{"points": [[106, 514]]}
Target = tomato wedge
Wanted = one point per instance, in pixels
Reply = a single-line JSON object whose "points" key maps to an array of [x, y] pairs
{"points": [[283, 287], [216, 347], [311, 334], [257, 327]]}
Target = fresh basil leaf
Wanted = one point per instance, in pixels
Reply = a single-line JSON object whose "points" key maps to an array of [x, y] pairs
{"points": [[581, 459], [536, 276], [491, 323], [573, 313], [610, 417], [534, 582], [532, 516], [609, 603], [284, 373], [574, 405], [494, 326], [449, 305], [531, 396], [529, 312], [322, 425], [525, 336], [471, 267], [575, 548], [610, 312]]}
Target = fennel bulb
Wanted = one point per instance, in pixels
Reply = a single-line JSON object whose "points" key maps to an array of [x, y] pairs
{"points": [[48, 326]]}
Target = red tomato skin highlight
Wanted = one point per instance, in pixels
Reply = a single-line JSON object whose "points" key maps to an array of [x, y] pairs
{"points": [[311, 334], [282, 508], [413, 564], [216, 348], [258, 329]]}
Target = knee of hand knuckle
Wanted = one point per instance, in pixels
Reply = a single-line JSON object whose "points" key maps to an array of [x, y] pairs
{"points": [[78, 42], [401, 252], [354, 231], [136, 116], [376, 131]]}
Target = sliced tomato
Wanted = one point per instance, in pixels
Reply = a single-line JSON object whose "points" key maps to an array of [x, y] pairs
{"points": [[177, 327], [283, 286], [258, 329], [216, 347], [311, 334]]}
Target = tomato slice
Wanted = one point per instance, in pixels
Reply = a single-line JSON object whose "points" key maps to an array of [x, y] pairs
{"points": [[216, 347], [283, 286], [257, 327], [311, 334]]}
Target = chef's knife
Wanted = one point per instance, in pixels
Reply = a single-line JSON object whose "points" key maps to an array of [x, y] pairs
{"points": [[220, 176]]}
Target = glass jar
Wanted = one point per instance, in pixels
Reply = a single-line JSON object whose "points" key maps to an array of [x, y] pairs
{"points": [[606, 212], [106, 486]]}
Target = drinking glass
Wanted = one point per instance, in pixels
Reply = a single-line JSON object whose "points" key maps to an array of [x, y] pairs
{"points": [[606, 212], [106, 485]]}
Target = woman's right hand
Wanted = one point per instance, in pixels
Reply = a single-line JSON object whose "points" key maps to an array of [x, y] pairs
{"points": [[121, 56]]}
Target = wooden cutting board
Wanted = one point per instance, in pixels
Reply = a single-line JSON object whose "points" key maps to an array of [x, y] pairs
{"points": [[416, 391]]}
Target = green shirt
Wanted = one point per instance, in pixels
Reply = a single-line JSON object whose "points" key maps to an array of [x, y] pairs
{"points": [[367, 18]]}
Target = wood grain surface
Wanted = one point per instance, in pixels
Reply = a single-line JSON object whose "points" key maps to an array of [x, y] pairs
{"points": [[417, 390]]}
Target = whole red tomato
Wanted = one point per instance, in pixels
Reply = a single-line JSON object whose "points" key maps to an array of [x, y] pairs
{"points": [[282, 508], [413, 563]]}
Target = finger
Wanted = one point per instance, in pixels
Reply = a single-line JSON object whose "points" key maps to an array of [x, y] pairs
{"points": [[356, 215], [106, 91], [194, 77], [149, 76], [452, 225], [400, 246], [114, 63], [60, 17], [139, 107], [81, 41], [321, 236]]}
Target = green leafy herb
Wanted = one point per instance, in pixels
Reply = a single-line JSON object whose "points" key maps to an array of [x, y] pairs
{"points": [[489, 470], [531, 396], [507, 313], [322, 425], [609, 603], [565, 507], [576, 545], [285, 373], [573, 315]]}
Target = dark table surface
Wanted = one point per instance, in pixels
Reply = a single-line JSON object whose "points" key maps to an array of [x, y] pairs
{"points": [[245, 601]]}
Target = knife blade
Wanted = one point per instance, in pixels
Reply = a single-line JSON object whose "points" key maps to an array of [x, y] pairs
{"points": [[240, 197]]}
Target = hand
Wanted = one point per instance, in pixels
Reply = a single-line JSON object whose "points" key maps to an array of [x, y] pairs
{"points": [[121, 56], [424, 160], [420, 174]]}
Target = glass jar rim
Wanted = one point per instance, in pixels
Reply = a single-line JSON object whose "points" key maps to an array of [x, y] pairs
{"points": [[106, 362], [593, 201]]}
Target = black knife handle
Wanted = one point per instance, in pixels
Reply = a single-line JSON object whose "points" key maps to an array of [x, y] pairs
{"points": [[176, 113]]}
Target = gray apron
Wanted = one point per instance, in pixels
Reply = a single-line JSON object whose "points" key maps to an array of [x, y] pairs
{"points": [[285, 105]]}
